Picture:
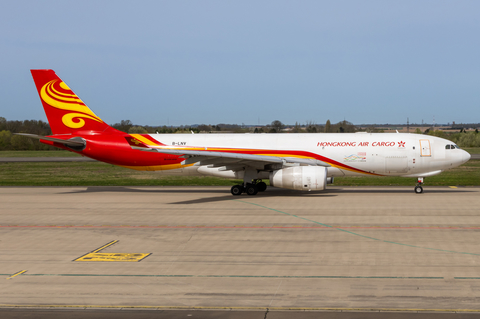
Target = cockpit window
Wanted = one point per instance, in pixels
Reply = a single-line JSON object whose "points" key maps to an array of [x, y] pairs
{"points": [[451, 147]]}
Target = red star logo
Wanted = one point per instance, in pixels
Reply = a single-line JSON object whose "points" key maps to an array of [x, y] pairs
{"points": [[401, 144]]}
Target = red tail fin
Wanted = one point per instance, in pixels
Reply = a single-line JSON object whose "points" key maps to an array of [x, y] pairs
{"points": [[66, 113]]}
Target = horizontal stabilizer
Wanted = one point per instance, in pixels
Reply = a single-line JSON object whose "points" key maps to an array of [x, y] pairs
{"points": [[72, 142]]}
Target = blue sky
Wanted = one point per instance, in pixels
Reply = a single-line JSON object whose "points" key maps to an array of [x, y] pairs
{"points": [[210, 62]]}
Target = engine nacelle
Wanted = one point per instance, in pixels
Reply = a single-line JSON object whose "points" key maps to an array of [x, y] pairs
{"points": [[303, 178]]}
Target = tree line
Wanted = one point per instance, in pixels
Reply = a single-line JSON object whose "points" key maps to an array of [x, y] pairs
{"points": [[8, 141], [275, 127]]}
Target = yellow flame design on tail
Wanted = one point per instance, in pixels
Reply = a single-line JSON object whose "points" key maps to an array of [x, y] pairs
{"points": [[67, 101]]}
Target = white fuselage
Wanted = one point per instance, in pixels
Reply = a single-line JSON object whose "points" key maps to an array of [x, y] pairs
{"points": [[389, 154]]}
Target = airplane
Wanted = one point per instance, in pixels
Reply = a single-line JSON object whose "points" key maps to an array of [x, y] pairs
{"points": [[304, 162]]}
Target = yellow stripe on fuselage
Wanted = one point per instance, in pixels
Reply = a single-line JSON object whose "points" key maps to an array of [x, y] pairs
{"points": [[144, 140]]}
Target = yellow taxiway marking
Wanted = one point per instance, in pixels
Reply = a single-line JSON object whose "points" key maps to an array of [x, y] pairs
{"points": [[453, 186], [95, 255], [16, 274], [113, 257]]}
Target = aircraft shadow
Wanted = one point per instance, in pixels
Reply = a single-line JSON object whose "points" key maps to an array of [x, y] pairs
{"points": [[267, 194], [278, 192], [271, 192], [128, 189]]}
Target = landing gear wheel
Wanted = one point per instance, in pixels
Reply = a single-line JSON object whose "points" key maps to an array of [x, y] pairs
{"points": [[252, 189], [418, 189], [237, 190], [261, 186]]}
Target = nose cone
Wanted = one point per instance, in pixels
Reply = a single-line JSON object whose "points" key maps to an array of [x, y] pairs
{"points": [[465, 156], [459, 157]]}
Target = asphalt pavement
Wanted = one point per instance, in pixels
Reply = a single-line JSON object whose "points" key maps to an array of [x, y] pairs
{"points": [[348, 249]]}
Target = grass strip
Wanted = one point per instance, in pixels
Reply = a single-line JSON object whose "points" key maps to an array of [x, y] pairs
{"points": [[102, 174], [472, 150], [94, 174]]}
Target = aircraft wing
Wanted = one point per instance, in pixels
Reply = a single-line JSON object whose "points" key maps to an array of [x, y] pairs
{"points": [[232, 159]]}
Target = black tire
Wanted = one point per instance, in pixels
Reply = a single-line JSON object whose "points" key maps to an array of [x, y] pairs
{"points": [[418, 189], [252, 189], [237, 190], [261, 186]]}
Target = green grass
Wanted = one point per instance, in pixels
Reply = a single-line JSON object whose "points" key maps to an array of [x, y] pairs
{"points": [[93, 174], [102, 174], [59, 153]]}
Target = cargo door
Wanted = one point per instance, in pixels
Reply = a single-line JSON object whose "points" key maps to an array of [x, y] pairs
{"points": [[425, 149]]}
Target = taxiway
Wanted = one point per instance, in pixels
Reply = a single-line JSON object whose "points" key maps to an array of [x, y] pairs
{"points": [[376, 248]]}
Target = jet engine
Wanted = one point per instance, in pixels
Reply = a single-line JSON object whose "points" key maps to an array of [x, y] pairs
{"points": [[304, 178]]}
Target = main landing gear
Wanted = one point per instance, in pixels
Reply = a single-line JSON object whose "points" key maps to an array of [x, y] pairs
{"points": [[250, 188], [237, 189], [419, 188]]}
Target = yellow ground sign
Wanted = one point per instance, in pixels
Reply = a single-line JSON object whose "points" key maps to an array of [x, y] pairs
{"points": [[112, 257], [96, 256]]}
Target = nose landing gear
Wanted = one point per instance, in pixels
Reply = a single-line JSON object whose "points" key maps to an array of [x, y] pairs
{"points": [[419, 188]]}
